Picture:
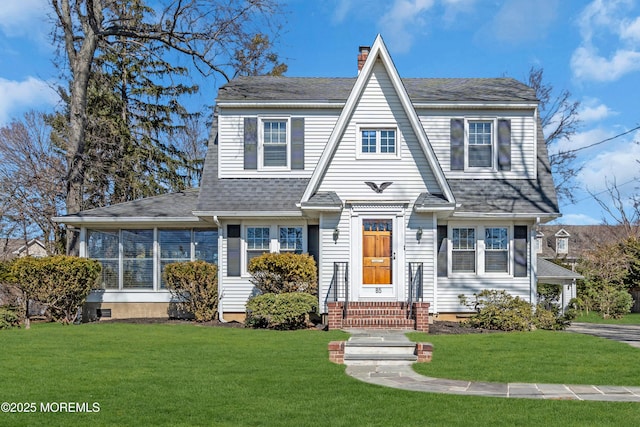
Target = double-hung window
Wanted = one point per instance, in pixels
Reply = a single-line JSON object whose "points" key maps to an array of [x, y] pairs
{"points": [[463, 250], [480, 144], [275, 151], [258, 241], [496, 254], [290, 239], [378, 141]]}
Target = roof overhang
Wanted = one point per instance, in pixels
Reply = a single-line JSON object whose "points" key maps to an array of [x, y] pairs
{"points": [[79, 221], [282, 104], [476, 105], [249, 214], [490, 215]]}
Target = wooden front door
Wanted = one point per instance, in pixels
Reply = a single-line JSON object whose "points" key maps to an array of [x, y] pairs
{"points": [[377, 252]]}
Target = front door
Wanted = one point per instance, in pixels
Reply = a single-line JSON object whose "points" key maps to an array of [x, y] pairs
{"points": [[377, 252]]}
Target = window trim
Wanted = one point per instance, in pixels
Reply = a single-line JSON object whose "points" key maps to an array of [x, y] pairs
{"points": [[480, 250], [261, 143], [274, 239], [562, 245], [494, 144], [377, 127]]}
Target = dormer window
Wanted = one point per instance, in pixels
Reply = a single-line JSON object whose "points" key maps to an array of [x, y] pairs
{"points": [[480, 144], [562, 242], [275, 151]]}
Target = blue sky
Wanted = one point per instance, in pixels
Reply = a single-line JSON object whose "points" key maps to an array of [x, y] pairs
{"points": [[591, 48]]}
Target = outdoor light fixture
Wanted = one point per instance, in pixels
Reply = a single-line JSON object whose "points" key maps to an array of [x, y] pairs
{"points": [[419, 234], [336, 234]]}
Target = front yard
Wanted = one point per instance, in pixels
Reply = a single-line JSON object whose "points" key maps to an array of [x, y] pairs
{"points": [[190, 375]]}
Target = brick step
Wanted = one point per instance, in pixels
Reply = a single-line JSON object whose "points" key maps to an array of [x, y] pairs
{"points": [[378, 323], [376, 312]]}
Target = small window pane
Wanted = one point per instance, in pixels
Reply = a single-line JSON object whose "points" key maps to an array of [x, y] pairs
{"points": [[387, 141], [257, 242], [463, 252], [368, 141]]}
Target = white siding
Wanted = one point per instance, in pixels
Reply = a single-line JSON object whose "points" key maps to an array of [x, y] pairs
{"points": [[332, 251], [421, 251], [318, 126], [523, 138], [379, 106]]}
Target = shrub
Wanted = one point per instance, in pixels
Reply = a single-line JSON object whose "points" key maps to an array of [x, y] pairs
{"points": [[9, 317], [280, 311], [60, 282], [498, 310], [613, 302], [195, 286], [284, 272]]}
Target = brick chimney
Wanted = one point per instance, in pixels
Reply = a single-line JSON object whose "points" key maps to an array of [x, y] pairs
{"points": [[362, 56]]}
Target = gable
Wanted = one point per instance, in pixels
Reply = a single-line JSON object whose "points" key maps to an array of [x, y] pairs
{"points": [[379, 88], [379, 107]]}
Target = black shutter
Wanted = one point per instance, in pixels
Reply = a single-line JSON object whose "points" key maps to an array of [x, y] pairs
{"points": [[233, 250], [442, 251], [313, 242], [250, 143], [504, 145], [520, 251], [297, 143], [457, 144]]}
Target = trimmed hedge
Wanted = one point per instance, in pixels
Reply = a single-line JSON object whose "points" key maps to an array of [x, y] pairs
{"points": [[281, 311], [284, 272], [195, 285]]}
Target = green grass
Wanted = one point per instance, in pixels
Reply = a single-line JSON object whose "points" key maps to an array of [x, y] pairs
{"points": [[190, 375], [629, 319], [533, 357]]}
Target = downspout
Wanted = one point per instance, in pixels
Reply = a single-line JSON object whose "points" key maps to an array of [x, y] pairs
{"points": [[220, 290]]}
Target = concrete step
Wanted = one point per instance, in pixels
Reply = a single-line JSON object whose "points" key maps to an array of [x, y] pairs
{"points": [[380, 347], [379, 359], [378, 323]]}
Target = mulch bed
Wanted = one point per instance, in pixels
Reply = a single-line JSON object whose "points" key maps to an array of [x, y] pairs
{"points": [[449, 328]]}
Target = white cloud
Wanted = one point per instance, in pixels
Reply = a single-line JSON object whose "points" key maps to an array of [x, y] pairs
{"points": [[587, 64], [580, 140], [630, 30], [577, 219], [24, 18], [593, 111], [18, 96], [610, 46], [620, 165], [519, 21], [402, 21]]}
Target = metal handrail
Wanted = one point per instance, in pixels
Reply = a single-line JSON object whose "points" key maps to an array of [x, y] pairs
{"points": [[415, 286], [339, 286]]}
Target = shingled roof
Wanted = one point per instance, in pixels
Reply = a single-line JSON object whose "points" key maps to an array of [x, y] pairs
{"points": [[269, 88]]}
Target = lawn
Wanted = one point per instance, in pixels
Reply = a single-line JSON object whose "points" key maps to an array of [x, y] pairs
{"points": [[628, 319], [191, 375]]}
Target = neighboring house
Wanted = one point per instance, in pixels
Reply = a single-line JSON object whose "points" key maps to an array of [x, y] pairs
{"points": [[408, 193], [17, 248]]}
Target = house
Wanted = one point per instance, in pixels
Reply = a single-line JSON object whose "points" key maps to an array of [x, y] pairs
{"points": [[18, 248], [407, 191]]}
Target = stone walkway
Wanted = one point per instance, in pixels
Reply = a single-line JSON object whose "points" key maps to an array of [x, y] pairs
{"points": [[404, 377]]}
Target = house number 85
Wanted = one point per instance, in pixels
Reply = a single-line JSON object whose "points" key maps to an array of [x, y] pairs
{"points": [[378, 290]]}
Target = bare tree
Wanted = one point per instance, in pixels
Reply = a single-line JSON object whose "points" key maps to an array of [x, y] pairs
{"points": [[559, 117], [624, 212], [31, 178], [208, 32]]}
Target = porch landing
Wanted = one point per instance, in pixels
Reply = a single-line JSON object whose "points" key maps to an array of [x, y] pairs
{"points": [[390, 315]]}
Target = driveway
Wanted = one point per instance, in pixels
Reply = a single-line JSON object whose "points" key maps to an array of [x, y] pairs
{"points": [[629, 334]]}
